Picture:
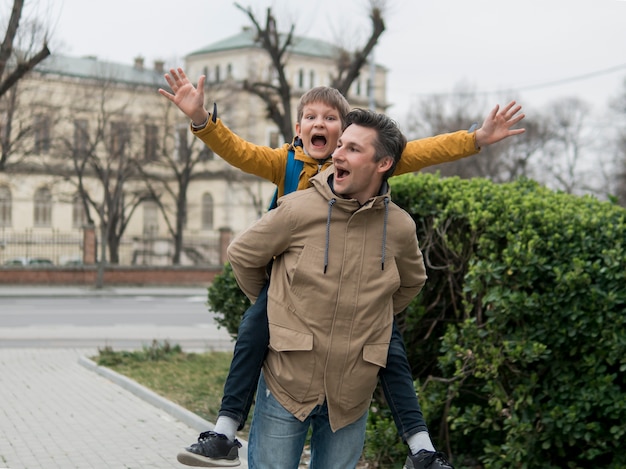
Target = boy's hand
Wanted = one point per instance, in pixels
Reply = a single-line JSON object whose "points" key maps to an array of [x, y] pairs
{"points": [[189, 99], [497, 125]]}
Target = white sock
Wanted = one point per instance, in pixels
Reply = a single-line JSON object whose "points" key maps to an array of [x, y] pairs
{"points": [[226, 426], [420, 441]]}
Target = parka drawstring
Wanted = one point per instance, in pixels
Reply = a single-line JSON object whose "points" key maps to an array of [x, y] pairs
{"points": [[331, 202], [382, 260]]}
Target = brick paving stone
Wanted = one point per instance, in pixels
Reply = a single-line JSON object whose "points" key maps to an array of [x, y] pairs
{"points": [[55, 413]]}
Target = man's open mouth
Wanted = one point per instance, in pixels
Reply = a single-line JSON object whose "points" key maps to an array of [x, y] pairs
{"points": [[341, 173]]}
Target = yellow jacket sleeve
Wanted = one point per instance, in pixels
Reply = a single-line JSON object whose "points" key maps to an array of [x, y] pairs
{"points": [[265, 162], [443, 148]]}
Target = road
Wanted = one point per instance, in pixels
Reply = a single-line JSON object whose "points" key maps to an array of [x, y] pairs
{"points": [[122, 322]]}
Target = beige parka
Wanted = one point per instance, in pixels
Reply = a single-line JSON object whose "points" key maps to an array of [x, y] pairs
{"points": [[340, 273]]}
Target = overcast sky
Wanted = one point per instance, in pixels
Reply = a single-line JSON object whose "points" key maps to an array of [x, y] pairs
{"points": [[540, 49]]}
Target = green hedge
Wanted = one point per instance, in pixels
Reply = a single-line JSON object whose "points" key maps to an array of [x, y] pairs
{"points": [[518, 340]]}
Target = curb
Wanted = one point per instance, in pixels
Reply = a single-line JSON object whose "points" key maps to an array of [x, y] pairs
{"points": [[178, 412], [8, 291]]}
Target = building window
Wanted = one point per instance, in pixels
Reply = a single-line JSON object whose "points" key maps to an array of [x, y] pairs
{"points": [[5, 206], [150, 219], [312, 79], [182, 144], [81, 137], [43, 208], [301, 79], [229, 71], [151, 142], [217, 74], [42, 134], [78, 212], [358, 87], [207, 211], [119, 138]]}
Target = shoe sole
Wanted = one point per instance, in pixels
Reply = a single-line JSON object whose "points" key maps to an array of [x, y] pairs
{"points": [[191, 459]]}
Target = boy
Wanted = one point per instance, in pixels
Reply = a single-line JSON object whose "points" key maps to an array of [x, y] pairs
{"points": [[320, 120]]}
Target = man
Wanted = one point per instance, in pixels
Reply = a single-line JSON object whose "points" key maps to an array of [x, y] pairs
{"points": [[345, 260]]}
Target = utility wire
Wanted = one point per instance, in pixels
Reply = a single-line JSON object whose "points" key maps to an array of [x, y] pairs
{"points": [[537, 86]]}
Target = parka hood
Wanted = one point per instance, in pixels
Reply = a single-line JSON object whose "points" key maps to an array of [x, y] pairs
{"points": [[323, 183]]}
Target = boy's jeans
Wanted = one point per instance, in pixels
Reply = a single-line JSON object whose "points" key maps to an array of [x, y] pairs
{"points": [[250, 351], [277, 437]]}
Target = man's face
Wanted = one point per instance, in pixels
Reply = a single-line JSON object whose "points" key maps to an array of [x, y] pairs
{"points": [[357, 175], [319, 129]]}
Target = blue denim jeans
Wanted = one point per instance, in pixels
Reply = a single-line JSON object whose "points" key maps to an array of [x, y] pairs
{"points": [[277, 437], [251, 348]]}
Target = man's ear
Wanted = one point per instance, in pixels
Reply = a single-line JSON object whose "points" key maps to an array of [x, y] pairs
{"points": [[298, 129], [385, 164]]}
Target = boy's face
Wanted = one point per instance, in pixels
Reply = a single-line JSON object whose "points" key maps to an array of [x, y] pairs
{"points": [[319, 129], [357, 175]]}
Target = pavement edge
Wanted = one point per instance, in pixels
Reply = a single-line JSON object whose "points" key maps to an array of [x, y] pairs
{"points": [[178, 412]]}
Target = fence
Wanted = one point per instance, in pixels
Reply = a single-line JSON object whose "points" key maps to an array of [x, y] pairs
{"points": [[37, 247], [40, 247]]}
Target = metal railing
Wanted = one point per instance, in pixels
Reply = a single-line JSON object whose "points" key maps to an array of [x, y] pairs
{"points": [[50, 246]]}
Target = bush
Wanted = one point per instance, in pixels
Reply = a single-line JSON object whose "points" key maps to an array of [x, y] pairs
{"points": [[522, 320], [227, 300]]}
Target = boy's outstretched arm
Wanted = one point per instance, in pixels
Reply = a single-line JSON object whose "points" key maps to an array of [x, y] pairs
{"points": [[188, 98], [497, 125]]}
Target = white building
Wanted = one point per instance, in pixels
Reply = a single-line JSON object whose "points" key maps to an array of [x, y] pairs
{"points": [[70, 105]]}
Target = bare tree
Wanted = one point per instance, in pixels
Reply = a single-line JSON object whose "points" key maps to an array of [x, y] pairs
{"points": [[276, 94], [103, 165], [504, 161], [619, 173], [15, 63], [24, 46], [566, 146], [169, 175]]}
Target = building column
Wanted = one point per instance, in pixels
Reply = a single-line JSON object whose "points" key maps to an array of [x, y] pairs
{"points": [[90, 243], [226, 236]]}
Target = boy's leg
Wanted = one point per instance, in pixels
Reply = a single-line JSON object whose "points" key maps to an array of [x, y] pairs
{"points": [[250, 349], [276, 436], [397, 383], [220, 446]]}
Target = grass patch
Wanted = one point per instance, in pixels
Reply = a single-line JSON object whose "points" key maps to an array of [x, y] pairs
{"points": [[194, 381]]}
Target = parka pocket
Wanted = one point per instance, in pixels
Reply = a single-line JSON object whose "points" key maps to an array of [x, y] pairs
{"points": [[359, 382], [376, 354], [291, 360]]}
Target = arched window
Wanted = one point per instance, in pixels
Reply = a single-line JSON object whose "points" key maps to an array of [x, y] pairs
{"points": [[78, 212], [207, 211], [42, 216], [5, 206], [150, 218]]}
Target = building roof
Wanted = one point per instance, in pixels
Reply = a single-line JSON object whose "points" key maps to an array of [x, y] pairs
{"points": [[92, 68], [246, 39]]}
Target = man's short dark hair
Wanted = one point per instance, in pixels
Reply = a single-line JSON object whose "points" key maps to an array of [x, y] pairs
{"points": [[390, 140]]}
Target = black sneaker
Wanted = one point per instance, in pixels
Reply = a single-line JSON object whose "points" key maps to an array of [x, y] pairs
{"points": [[427, 460], [211, 450]]}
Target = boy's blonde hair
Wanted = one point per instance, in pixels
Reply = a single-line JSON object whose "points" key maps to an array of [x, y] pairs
{"points": [[327, 95]]}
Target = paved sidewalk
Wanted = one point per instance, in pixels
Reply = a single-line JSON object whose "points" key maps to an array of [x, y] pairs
{"points": [[22, 291], [59, 410]]}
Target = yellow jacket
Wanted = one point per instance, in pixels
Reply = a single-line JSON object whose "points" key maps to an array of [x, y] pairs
{"points": [[269, 163]]}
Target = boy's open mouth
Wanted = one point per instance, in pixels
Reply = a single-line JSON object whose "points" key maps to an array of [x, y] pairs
{"points": [[318, 140]]}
